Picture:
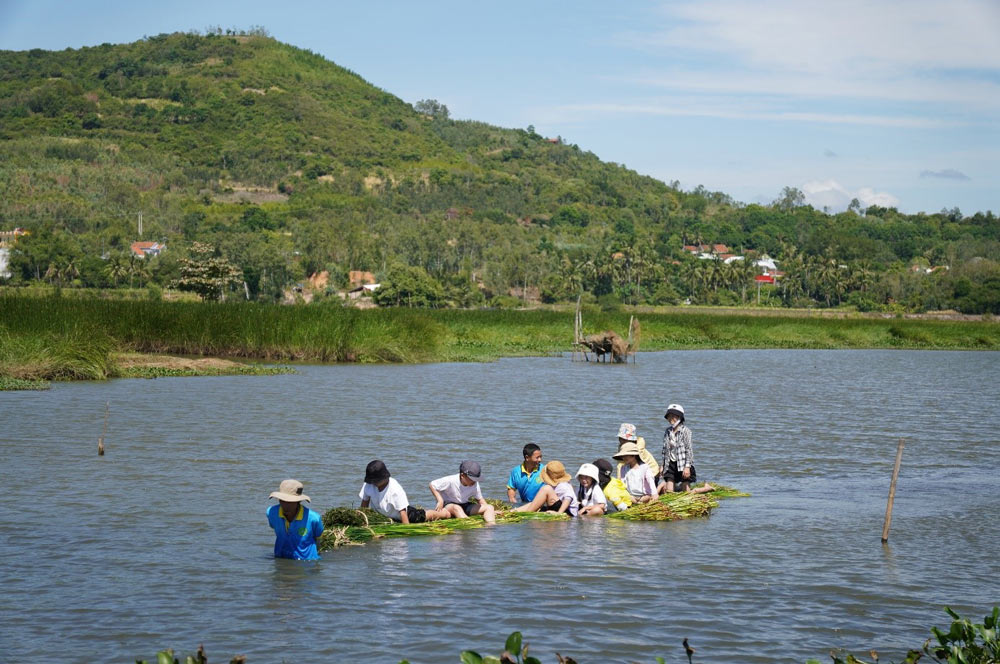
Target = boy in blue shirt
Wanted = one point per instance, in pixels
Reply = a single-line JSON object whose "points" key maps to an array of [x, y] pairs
{"points": [[524, 480], [296, 527]]}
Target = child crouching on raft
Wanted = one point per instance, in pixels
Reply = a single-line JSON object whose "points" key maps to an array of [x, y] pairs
{"points": [[462, 490], [385, 495], [589, 494], [556, 494], [614, 489]]}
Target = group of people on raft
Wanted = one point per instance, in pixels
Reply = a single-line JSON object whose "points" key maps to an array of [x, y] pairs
{"points": [[602, 487]]}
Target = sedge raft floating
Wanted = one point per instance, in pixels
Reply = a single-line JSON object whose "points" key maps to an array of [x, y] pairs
{"points": [[347, 526]]}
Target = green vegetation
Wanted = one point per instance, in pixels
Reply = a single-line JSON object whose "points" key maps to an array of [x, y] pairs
{"points": [[61, 338], [344, 526], [965, 642], [282, 165]]}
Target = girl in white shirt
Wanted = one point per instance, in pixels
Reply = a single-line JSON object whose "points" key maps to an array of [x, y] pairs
{"points": [[639, 479], [589, 494]]}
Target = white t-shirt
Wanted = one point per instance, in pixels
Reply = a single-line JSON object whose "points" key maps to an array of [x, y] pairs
{"points": [[453, 491], [390, 501], [594, 497], [639, 481], [563, 491]]}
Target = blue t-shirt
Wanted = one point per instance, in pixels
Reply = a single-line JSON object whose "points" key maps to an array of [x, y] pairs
{"points": [[525, 483], [297, 539]]}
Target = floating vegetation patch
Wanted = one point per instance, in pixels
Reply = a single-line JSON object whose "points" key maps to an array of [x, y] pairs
{"points": [[346, 526], [10, 384]]}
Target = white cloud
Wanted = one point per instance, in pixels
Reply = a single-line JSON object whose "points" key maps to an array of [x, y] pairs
{"points": [[943, 52], [836, 197], [740, 110]]}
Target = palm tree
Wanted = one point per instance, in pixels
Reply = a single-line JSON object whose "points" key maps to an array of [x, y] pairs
{"points": [[115, 269]]}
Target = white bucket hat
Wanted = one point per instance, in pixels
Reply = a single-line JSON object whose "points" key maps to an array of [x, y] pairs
{"points": [[589, 470]]}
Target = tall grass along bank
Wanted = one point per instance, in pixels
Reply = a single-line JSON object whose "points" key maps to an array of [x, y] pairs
{"points": [[68, 338]]}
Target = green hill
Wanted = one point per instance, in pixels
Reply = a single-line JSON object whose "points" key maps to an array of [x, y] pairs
{"points": [[290, 165]]}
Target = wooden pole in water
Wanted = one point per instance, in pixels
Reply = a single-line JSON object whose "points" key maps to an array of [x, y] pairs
{"points": [[892, 492], [100, 441]]}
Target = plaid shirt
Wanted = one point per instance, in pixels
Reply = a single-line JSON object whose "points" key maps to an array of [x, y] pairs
{"points": [[677, 447]]}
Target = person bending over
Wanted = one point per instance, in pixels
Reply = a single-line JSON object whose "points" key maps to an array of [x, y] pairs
{"points": [[385, 495]]}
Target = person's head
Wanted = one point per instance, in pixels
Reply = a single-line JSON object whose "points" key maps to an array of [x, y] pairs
{"points": [[604, 471], [469, 472], [532, 454], [376, 473], [626, 434], [628, 453], [674, 414], [290, 496], [588, 475], [554, 473]]}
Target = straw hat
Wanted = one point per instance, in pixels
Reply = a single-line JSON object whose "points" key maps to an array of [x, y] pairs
{"points": [[290, 491], [627, 449], [589, 470], [554, 473]]}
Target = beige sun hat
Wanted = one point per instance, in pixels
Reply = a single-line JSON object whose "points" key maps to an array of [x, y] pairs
{"points": [[627, 449], [554, 473], [290, 491]]}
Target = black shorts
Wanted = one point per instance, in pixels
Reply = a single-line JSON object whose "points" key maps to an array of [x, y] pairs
{"points": [[469, 508], [671, 474], [415, 514]]}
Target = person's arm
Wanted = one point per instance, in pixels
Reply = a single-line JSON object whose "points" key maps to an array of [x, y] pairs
{"points": [[364, 503], [403, 516], [687, 452], [512, 496], [563, 506], [437, 497]]}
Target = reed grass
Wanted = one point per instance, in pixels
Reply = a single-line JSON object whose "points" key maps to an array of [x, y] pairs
{"points": [[346, 526], [58, 337]]}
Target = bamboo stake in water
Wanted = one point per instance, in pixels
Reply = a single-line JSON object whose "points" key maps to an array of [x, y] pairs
{"points": [[892, 492], [100, 441]]}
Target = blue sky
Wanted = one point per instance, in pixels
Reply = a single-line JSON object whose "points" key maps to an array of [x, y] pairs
{"points": [[894, 103]]}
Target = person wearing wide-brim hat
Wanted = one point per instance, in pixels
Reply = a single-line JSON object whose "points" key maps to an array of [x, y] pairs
{"points": [[678, 472], [296, 527], [556, 493], [639, 479], [627, 433]]}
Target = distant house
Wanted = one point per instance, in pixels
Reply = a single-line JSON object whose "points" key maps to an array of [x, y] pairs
{"points": [[729, 258], [5, 263], [143, 249], [720, 249], [363, 290]]}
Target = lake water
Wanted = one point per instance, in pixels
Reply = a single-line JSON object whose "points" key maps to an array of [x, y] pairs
{"points": [[163, 541]]}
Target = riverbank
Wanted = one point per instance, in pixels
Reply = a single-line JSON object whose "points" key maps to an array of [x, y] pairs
{"points": [[56, 338]]}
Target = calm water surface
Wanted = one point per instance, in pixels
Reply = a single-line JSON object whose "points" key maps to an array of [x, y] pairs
{"points": [[163, 541]]}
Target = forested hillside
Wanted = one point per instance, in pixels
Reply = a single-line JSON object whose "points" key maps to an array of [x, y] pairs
{"points": [[260, 163]]}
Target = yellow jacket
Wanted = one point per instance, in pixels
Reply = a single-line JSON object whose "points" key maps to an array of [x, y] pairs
{"points": [[617, 494], [645, 456]]}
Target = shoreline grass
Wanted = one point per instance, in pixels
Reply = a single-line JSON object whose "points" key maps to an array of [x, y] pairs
{"points": [[56, 338]]}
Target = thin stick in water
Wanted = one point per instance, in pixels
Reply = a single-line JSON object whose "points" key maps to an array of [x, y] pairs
{"points": [[892, 492]]}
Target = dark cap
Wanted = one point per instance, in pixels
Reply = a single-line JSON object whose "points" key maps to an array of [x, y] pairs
{"points": [[471, 469], [376, 472]]}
